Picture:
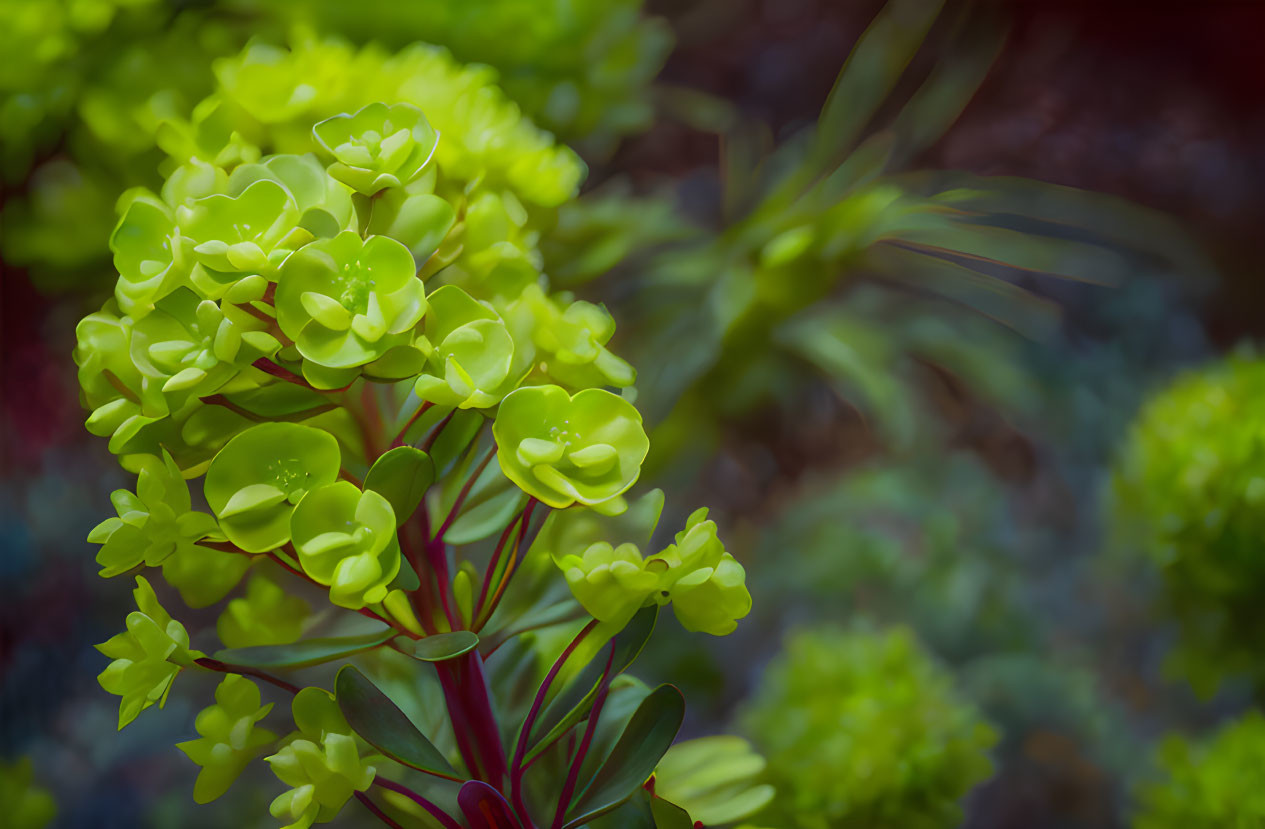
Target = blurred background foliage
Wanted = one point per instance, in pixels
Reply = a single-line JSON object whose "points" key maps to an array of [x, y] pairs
{"points": [[884, 329]]}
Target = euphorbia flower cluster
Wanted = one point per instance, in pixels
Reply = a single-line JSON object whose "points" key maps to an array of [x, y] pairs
{"points": [[320, 316]]}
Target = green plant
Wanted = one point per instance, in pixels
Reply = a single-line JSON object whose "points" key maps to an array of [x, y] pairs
{"points": [[94, 82], [332, 299], [27, 805], [1211, 782], [1188, 489], [865, 729]]}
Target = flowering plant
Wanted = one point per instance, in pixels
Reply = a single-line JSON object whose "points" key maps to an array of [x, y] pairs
{"points": [[333, 315]]}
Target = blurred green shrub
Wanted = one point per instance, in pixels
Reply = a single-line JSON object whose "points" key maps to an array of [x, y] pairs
{"points": [[866, 729], [579, 68], [97, 82], [1215, 782], [25, 804], [1189, 490]]}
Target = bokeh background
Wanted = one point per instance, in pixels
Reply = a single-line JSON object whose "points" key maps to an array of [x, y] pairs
{"points": [[946, 482]]}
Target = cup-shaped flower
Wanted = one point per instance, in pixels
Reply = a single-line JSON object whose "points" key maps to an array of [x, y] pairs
{"points": [[147, 254], [346, 301], [323, 767], [611, 583], [147, 657], [246, 233], [254, 482], [471, 361], [380, 146], [346, 540], [229, 739], [325, 206], [152, 524], [565, 449], [266, 615]]}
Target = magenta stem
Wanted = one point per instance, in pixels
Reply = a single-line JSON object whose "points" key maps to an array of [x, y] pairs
{"points": [[568, 788], [516, 767], [437, 813]]}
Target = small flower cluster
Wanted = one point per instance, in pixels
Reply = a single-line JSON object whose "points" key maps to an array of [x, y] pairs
{"points": [[323, 334]]}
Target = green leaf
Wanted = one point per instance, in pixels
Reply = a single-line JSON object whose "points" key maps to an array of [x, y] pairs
{"points": [[384, 726], [305, 653], [668, 815], [646, 738], [444, 646], [402, 475], [483, 519], [573, 702], [872, 71]]}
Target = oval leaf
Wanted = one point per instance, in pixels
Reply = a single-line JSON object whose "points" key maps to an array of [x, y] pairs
{"points": [[445, 646], [304, 654], [668, 815], [645, 740], [401, 475], [384, 726]]}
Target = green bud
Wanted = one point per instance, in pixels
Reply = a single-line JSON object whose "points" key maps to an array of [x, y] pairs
{"points": [[323, 767], [564, 449], [188, 348], [266, 615], [611, 583], [153, 524], [229, 738], [346, 302], [380, 146], [254, 482], [346, 540], [122, 403], [571, 340], [147, 657], [707, 586]]}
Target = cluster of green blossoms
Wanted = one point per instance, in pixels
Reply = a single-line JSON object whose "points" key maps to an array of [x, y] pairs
{"points": [[865, 729], [1189, 489], [1214, 782], [320, 314]]}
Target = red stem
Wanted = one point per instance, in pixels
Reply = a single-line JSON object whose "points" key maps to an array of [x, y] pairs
{"points": [[464, 493], [516, 767], [509, 567], [496, 559], [437, 813], [228, 668], [568, 788], [434, 433], [377, 811], [487, 734], [421, 410]]}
